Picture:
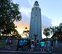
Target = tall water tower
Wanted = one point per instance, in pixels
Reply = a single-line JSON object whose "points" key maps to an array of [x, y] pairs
{"points": [[35, 23]]}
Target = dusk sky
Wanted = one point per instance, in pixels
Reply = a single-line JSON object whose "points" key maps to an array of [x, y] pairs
{"points": [[51, 11]]}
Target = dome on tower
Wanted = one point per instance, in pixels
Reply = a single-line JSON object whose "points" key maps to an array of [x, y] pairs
{"points": [[36, 3]]}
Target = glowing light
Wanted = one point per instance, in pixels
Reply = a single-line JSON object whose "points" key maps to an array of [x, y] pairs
{"points": [[1, 34], [24, 36], [20, 30]]}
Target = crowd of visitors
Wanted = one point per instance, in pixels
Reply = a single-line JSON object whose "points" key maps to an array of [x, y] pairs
{"points": [[44, 45]]}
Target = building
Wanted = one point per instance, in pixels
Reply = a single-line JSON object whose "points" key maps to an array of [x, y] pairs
{"points": [[35, 23]]}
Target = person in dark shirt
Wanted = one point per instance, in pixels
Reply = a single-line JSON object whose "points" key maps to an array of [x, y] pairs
{"points": [[52, 44]]}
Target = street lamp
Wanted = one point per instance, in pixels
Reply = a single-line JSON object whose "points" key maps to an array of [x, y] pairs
{"points": [[1, 34]]}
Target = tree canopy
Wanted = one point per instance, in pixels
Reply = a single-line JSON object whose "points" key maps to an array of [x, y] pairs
{"points": [[9, 12], [46, 32]]}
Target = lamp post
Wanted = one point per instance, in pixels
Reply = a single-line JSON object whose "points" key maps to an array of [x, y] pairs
{"points": [[1, 30]]}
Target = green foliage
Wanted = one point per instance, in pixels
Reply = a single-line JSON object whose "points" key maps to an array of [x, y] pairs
{"points": [[46, 32], [9, 12]]}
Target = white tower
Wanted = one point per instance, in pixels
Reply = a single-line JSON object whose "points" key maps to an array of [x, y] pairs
{"points": [[35, 23]]}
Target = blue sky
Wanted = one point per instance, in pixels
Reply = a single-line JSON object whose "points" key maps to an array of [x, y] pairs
{"points": [[51, 11]]}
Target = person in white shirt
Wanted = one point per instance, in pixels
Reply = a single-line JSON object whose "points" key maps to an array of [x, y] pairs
{"points": [[32, 46]]}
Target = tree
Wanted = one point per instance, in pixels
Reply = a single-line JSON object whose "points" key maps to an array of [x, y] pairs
{"points": [[46, 32], [26, 32], [57, 31], [9, 12]]}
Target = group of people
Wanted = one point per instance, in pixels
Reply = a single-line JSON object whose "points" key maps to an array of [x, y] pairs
{"points": [[43, 45], [8, 42]]}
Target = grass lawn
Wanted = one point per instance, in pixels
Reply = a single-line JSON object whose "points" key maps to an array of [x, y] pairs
{"points": [[2, 43]]}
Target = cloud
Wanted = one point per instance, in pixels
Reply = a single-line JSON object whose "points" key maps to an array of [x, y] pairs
{"points": [[26, 16], [46, 22], [26, 13], [24, 3]]}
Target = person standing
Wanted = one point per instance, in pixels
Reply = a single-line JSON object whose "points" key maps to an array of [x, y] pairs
{"points": [[52, 44], [49, 46], [8, 43], [32, 46], [42, 44], [20, 44]]}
